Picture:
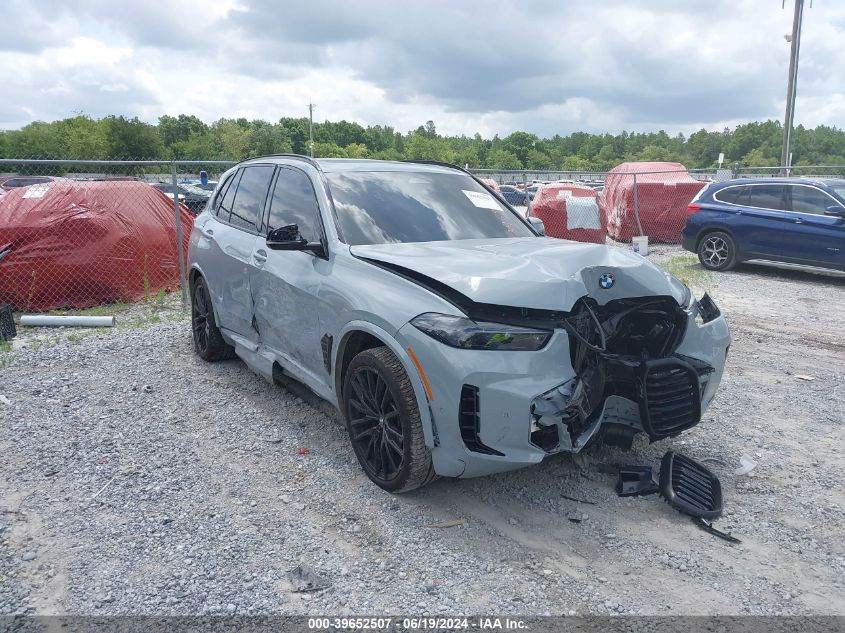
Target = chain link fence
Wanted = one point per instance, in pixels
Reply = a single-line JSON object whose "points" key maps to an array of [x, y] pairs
{"points": [[76, 234]]}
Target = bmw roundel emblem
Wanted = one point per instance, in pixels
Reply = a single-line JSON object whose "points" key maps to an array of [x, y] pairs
{"points": [[606, 281]]}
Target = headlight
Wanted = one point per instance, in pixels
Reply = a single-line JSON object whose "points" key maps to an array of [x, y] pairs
{"points": [[465, 333]]}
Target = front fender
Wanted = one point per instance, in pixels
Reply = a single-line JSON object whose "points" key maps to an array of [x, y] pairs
{"points": [[400, 353]]}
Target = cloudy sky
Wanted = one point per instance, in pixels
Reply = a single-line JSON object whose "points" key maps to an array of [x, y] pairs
{"points": [[472, 66]]}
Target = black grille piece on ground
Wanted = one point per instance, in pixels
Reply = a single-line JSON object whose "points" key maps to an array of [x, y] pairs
{"points": [[7, 323], [689, 487], [469, 418], [670, 397]]}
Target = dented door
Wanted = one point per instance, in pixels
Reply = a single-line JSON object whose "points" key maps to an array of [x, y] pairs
{"points": [[286, 284]]}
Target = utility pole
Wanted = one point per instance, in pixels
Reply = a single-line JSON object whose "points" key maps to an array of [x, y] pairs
{"points": [[311, 107], [791, 88]]}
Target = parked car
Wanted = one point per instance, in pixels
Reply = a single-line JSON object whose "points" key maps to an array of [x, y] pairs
{"points": [[513, 195], [191, 196], [13, 182], [454, 337], [786, 221]]}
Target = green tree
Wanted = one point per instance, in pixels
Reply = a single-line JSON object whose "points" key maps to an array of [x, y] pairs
{"points": [[266, 138], [132, 139], [499, 158], [328, 150]]}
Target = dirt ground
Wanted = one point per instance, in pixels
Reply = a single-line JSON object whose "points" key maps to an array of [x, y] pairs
{"points": [[138, 479]]}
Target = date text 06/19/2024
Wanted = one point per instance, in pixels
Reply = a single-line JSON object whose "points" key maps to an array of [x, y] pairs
{"points": [[417, 623]]}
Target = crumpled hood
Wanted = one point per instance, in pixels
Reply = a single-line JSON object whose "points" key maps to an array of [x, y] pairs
{"points": [[529, 272]]}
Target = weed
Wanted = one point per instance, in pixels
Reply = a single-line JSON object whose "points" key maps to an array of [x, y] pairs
{"points": [[689, 270], [6, 356], [107, 309]]}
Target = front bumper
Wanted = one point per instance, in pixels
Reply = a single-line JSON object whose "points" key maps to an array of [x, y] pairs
{"points": [[508, 388]]}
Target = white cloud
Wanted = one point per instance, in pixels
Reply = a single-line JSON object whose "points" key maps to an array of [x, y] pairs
{"points": [[488, 67]]}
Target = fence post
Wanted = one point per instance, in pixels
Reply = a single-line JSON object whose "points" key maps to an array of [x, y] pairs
{"points": [[179, 248], [637, 206]]}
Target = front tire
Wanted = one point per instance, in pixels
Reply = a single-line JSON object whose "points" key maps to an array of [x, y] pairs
{"points": [[383, 421], [208, 341], [717, 251]]}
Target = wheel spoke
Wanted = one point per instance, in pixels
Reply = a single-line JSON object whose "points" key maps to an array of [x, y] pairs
{"points": [[361, 399], [375, 425], [390, 457], [365, 433]]}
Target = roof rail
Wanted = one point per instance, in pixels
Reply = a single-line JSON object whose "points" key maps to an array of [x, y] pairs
{"points": [[440, 163], [301, 157]]}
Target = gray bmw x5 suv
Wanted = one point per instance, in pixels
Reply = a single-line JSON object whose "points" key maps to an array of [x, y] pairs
{"points": [[453, 336]]}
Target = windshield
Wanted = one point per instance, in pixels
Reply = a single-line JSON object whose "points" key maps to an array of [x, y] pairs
{"points": [[840, 191], [400, 206]]}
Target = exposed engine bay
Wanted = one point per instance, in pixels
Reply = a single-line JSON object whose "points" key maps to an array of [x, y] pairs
{"points": [[629, 378]]}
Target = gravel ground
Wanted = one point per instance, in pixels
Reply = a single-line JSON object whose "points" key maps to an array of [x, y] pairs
{"points": [[138, 479]]}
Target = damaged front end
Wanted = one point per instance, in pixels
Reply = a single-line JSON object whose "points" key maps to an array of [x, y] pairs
{"points": [[629, 377]]}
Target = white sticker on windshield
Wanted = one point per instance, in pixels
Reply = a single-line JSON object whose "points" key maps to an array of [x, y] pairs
{"points": [[481, 200], [36, 191], [564, 194]]}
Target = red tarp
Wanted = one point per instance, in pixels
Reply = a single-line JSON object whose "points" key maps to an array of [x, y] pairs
{"points": [[662, 200], [78, 244], [491, 184], [570, 212]]}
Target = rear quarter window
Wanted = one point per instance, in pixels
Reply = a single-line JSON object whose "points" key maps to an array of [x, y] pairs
{"points": [[729, 195]]}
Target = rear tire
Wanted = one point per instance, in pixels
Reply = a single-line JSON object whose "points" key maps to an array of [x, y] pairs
{"points": [[717, 251], [383, 421], [208, 341]]}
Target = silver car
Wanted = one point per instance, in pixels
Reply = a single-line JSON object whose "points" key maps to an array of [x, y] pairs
{"points": [[455, 339]]}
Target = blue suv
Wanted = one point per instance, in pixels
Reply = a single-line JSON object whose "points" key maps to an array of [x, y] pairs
{"points": [[792, 221]]}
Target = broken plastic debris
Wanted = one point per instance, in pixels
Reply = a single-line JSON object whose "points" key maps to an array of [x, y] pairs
{"points": [[707, 526], [636, 480], [803, 377], [302, 578], [746, 465], [304, 450]]}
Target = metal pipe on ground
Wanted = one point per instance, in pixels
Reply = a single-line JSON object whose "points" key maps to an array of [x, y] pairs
{"points": [[49, 320]]}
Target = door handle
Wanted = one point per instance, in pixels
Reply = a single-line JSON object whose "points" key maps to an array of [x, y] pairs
{"points": [[207, 232], [260, 256], [798, 221]]}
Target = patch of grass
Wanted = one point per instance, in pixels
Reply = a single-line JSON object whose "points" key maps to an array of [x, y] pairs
{"points": [[688, 269], [107, 309], [6, 356]]}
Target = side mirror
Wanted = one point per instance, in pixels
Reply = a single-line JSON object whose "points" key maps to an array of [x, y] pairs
{"points": [[835, 210], [537, 223], [288, 238]]}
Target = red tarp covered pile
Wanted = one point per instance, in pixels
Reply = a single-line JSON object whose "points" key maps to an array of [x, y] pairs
{"points": [[662, 199], [77, 244], [491, 184], [570, 212]]}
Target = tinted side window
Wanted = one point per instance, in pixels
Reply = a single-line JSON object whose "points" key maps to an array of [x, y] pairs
{"points": [[809, 200], [768, 197], [249, 200], [730, 195], [294, 202], [223, 204]]}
